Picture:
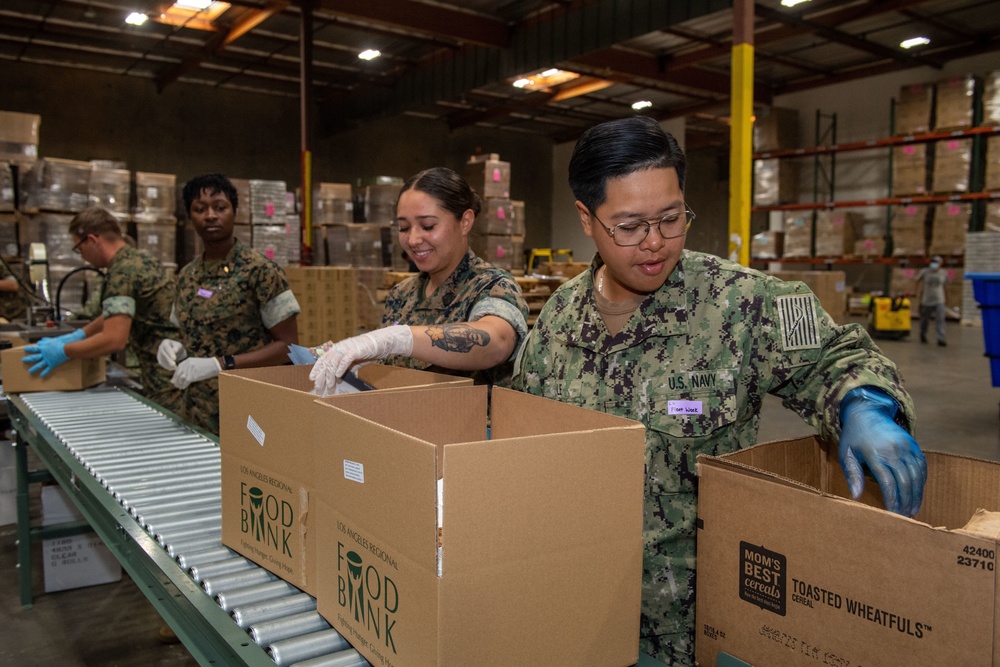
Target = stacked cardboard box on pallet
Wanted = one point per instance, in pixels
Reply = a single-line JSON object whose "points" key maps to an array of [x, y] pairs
{"points": [[913, 109], [767, 245], [111, 189], [908, 228], [327, 296], [498, 233], [798, 231], [952, 159], [993, 162], [775, 181], [949, 228], [909, 170], [19, 136], [835, 232], [954, 103]]}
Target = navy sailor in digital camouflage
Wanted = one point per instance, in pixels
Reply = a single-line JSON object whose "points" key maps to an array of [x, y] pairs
{"points": [[689, 344]]}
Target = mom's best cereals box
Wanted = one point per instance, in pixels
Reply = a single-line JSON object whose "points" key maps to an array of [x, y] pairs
{"points": [[267, 440], [791, 571], [463, 527]]}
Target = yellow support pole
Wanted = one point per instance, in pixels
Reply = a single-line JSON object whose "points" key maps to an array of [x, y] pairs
{"points": [[741, 153]]}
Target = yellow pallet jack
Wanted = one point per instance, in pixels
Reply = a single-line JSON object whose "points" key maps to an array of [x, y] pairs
{"points": [[889, 317]]}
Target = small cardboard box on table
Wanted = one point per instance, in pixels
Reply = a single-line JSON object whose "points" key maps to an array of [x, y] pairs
{"points": [[791, 571], [541, 505], [73, 375], [267, 447]]}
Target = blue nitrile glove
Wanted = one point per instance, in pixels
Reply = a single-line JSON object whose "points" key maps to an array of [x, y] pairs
{"points": [[71, 337], [869, 436], [46, 354]]}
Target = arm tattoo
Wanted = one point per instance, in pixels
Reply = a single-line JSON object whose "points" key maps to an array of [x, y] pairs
{"points": [[457, 337]]}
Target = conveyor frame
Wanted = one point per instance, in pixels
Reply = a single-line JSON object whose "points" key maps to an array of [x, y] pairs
{"points": [[205, 629]]}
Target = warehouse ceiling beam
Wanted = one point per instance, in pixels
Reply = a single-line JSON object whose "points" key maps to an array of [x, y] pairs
{"points": [[565, 34], [840, 37], [462, 26], [247, 22]]}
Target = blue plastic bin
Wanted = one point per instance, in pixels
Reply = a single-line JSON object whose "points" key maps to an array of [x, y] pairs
{"points": [[986, 289]]}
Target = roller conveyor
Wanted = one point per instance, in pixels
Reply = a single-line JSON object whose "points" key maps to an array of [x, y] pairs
{"points": [[150, 487]]}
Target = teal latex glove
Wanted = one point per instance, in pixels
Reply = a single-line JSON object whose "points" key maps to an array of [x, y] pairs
{"points": [[870, 437], [46, 354], [71, 337]]}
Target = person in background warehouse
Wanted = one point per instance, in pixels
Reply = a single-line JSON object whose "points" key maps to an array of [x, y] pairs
{"points": [[135, 300], [689, 344], [233, 306], [459, 314], [13, 304], [932, 299]]}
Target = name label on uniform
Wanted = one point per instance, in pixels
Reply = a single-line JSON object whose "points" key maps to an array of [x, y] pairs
{"points": [[684, 407], [205, 293]]}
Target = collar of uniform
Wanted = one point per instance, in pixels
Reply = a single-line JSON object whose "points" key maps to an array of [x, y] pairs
{"points": [[662, 313], [450, 285], [223, 266]]}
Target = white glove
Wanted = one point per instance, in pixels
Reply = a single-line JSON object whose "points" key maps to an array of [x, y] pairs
{"points": [[169, 353], [195, 369], [368, 347]]}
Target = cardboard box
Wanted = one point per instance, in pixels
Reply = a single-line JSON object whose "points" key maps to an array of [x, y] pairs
{"points": [[73, 375], [267, 447], [835, 232], [798, 234], [541, 528], [792, 572], [767, 245], [75, 561]]}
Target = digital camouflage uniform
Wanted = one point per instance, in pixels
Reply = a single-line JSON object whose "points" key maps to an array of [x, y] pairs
{"points": [[138, 286], [474, 290], [227, 307], [718, 337]]}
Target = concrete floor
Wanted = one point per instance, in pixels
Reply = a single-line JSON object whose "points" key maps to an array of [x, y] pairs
{"points": [[113, 624]]}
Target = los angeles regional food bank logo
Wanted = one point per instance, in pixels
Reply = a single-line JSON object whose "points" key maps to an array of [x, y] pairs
{"points": [[369, 596], [265, 518]]}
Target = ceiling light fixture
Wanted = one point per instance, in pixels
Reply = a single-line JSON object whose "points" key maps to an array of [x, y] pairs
{"points": [[369, 54], [914, 41], [136, 18], [641, 104], [194, 5], [792, 3], [544, 80]]}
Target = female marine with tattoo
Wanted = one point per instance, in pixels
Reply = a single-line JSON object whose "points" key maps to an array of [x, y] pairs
{"points": [[459, 314]]}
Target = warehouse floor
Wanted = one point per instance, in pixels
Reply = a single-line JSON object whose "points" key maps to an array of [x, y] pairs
{"points": [[113, 624]]}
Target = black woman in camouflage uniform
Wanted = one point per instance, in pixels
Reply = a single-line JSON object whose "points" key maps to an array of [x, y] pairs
{"points": [[234, 307]]}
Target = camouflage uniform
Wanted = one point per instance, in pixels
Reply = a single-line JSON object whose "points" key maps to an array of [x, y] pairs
{"points": [[227, 307], [138, 286], [474, 290], [13, 305], [718, 337]]}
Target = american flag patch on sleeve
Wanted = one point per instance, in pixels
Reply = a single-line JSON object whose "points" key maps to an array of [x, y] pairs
{"points": [[797, 313]]}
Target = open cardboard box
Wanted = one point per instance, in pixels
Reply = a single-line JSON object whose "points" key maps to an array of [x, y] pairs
{"points": [[73, 375], [791, 571], [267, 442], [541, 528]]}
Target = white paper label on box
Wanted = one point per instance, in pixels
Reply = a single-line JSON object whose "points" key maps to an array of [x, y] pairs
{"points": [[684, 407], [354, 471], [255, 430]]}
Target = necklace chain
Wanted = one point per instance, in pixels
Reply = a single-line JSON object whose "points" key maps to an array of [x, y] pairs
{"points": [[600, 281]]}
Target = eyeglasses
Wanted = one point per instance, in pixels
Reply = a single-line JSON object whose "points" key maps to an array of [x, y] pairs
{"points": [[634, 232], [76, 248]]}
